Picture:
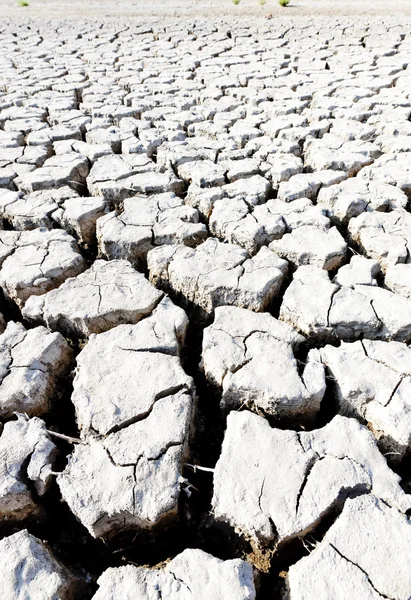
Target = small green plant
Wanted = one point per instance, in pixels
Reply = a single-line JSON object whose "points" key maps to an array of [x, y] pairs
{"points": [[283, 2], [262, 2], [236, 2], [22, 3]]}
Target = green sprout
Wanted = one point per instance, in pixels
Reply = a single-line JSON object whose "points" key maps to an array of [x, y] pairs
{"points": [[283, 2], [22, 3]]}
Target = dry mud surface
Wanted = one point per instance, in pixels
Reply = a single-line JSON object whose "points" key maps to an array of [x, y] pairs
{"points": [[205, 304]]}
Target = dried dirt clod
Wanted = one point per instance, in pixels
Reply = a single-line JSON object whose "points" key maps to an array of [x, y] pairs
{"points": [[327, 311], [310, 245], [29, 570], [216, 274], [27, 455], [34, 262], [273, 485], [352, 197], [250, 357], [372, 380], [131, 478], [383, 237], [146, 222], [31, 363], [135, 408], [193, 574], [354, 559], [106, 295]]}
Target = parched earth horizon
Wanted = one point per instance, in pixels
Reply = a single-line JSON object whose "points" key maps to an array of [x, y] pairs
{"points": [[205, 300]]}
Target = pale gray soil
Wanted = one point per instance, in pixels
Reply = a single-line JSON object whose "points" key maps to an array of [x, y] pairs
{"points": [[205, 300], [197, 8]]}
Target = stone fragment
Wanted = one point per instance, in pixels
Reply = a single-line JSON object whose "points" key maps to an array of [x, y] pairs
{"points": [[146, 222], [216, 274], [29, 570], [191, 575], [31, 361], [250, 357], [275, 484], [36, 261], [354, 560], [106, 295]]}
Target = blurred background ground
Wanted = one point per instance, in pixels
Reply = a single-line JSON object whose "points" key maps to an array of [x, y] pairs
{"points": [[198, 8]]}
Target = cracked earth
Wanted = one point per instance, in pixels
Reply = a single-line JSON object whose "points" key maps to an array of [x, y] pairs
{"points": [[205, 307]]}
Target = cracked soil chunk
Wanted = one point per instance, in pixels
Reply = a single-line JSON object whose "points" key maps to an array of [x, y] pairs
{"points": [[26, 460], [132, 393], [117, 177], [274, 484], [373, 382], [36, 262], [354, 196], [191, 575], [132, 477], [398, 279], [250, 356], [393, 169], [29, 570], [31, 362], [108, 294], [121, 373], [216, 274], [331, 152], [355, 560], [60, 170], [146, 222], [327, 311], [310, 245], [386, 237]]}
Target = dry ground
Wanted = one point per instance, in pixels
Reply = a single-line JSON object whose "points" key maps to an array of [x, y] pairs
{"points": [[191, 8]]}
